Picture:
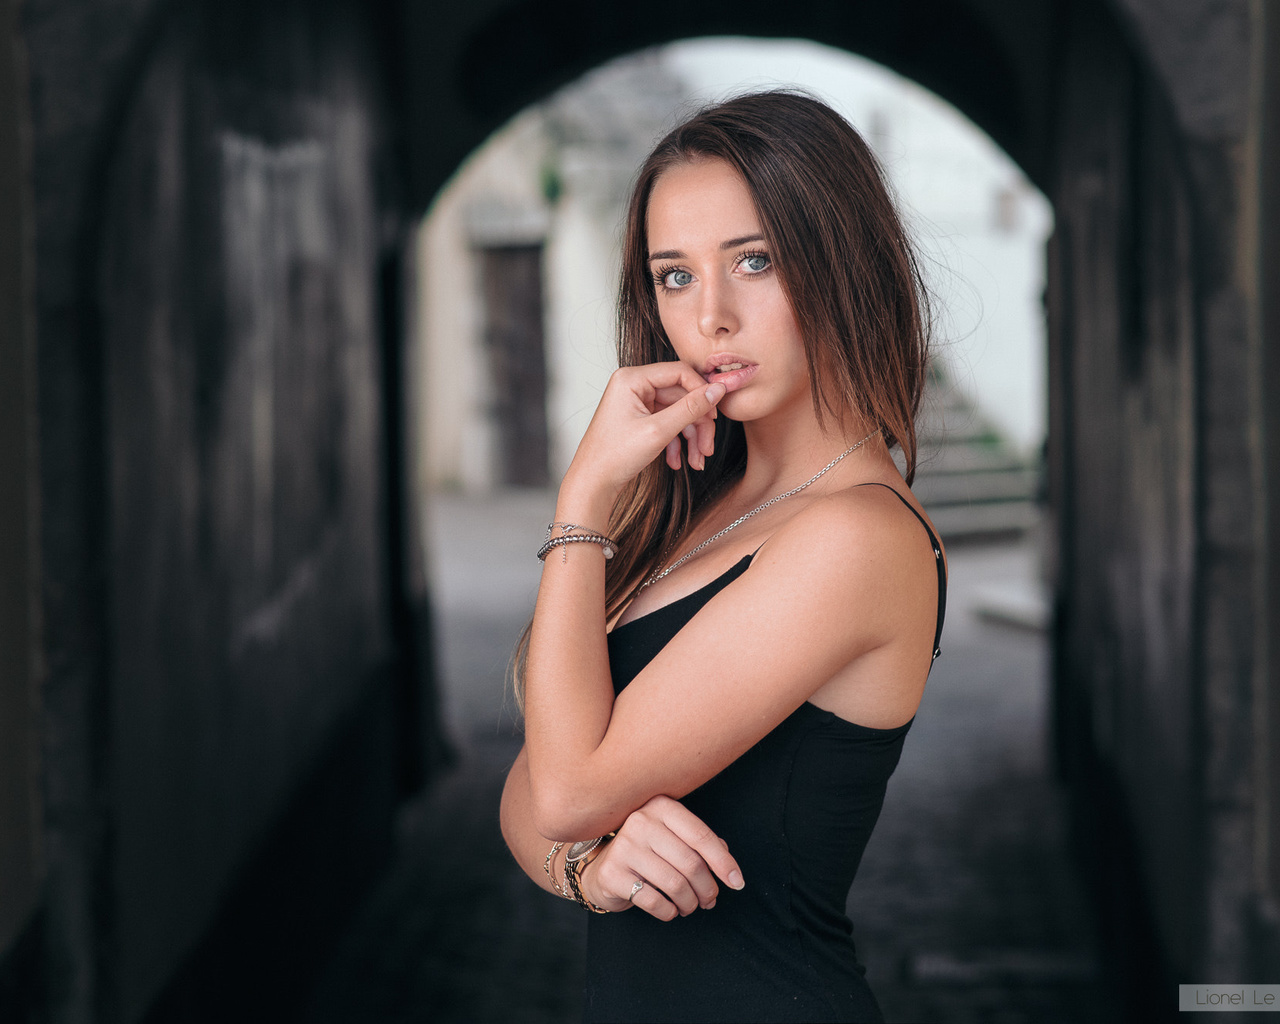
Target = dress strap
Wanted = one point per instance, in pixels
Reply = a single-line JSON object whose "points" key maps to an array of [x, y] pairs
{"points": [[937, 555]]}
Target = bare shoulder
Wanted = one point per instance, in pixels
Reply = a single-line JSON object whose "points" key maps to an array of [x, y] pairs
{"points": [[869, 524], [857, 555]]}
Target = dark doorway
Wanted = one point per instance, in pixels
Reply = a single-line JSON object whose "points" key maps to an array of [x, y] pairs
{"points": [[512, 286]]}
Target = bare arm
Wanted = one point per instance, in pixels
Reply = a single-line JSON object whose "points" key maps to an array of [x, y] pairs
{"points": [[848, 576], [661, 844], [815, 600], [528, 846]]}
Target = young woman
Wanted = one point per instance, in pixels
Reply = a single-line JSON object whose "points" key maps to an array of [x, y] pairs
{"points": [[741, 598]]}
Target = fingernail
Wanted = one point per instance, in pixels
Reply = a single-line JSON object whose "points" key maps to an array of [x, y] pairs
{"points": [[690, 431], [715, 392], [735, 879]]}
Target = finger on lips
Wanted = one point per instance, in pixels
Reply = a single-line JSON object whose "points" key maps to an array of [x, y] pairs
{"points": [[691, 421], [664, 375]]}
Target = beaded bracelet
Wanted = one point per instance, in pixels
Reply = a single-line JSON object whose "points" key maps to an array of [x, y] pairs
{"points": [[587, 536], [610, 548]]}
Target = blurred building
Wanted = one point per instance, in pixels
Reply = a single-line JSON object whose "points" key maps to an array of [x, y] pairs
{"points": [[549, 190], [552, 185]]}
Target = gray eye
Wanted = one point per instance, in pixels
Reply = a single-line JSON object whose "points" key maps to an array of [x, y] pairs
{"points": [[755, 264], [677, 278]]}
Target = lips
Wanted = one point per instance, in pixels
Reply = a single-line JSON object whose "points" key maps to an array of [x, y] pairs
{"points": [[729, 369]]}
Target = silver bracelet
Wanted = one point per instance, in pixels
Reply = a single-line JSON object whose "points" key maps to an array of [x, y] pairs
{"points": [[586, 536], [610, 548]]}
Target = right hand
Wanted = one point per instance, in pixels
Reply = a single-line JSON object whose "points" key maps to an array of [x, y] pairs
{"points": [[670, 850], [643, 414]]}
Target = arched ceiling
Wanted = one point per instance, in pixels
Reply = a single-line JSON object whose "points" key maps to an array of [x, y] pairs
{"points": [[467, 72]]}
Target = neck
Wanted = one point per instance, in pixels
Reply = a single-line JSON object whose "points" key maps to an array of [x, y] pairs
{"points": [[778, 459]]}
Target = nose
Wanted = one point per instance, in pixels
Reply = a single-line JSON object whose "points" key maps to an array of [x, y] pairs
{"points": [[717, 313]]}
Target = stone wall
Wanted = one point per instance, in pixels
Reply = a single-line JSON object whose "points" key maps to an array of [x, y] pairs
{"points": [[1264, 281], [1126, 446], [237, 305], [1162, 724], [21, 855], [228, 670]]}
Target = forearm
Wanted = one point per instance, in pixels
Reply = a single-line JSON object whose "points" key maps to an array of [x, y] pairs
{"points": [[568, 689], [579, 780], [527, 845]]}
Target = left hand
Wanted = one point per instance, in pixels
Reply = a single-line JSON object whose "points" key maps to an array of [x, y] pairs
{"points": [[672, 853]]}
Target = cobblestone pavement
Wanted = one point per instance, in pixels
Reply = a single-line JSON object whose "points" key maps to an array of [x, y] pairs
{"points": [[966, 908]]}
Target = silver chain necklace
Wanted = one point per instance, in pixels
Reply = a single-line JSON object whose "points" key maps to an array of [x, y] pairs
{"points": [[759, 508]]}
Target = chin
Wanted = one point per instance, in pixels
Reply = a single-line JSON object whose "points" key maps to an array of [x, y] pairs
{"points": [[744, 406], [736, 406]]}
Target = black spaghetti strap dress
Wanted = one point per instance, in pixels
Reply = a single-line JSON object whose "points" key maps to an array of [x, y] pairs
{"points": [[797, 810]]}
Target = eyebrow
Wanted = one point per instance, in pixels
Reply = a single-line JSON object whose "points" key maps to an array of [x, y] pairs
{"points": [[732, 243]]}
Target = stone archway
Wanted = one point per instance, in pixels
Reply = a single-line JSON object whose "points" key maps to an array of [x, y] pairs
{"points": [[1131, 117], [1150, 125]]}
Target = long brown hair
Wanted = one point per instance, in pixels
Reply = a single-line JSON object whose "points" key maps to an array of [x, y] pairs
{"points": [[847, 267]]}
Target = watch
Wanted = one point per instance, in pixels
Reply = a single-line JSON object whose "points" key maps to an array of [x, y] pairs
{"points": [[579, 856]]}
